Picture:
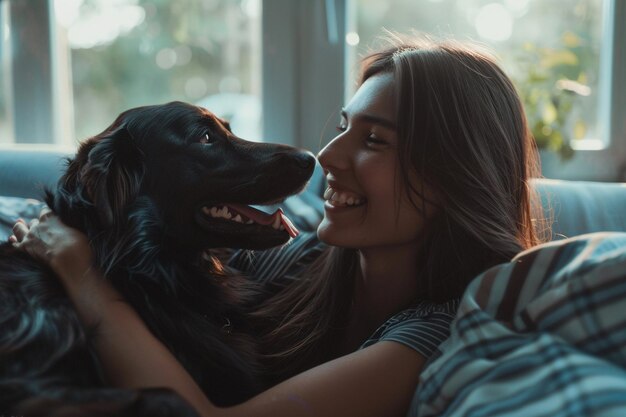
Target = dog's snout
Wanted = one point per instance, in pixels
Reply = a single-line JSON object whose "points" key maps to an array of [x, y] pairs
{"points": [[305, 159]]}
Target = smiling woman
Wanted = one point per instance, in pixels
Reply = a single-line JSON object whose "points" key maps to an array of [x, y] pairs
{"points": [[427, 186]]}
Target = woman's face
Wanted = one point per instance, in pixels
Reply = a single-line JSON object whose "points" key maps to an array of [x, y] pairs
{"points": [[366, 203]]}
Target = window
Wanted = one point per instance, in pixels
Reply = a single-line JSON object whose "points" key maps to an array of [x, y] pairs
{"points": [[558, 53], [109, 56], [568, 58]]}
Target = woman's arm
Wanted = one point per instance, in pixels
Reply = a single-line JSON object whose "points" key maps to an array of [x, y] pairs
{"points": [[131, 356], [376, 381]]}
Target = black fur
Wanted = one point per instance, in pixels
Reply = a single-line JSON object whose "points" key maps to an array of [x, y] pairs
{"points": [[137, 190]]}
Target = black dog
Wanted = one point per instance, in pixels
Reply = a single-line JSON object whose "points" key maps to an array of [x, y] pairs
{"points": [[152, 192]]}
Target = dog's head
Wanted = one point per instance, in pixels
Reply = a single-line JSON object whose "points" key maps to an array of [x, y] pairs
{"points": [[185, 166]]}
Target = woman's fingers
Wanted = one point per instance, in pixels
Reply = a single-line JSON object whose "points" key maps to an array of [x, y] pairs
{"points": [[20, 230], [62, 247], [30, 239], [45, 214]]}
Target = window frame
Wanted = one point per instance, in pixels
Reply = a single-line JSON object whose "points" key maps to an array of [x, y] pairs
{"points": [[304, 60]]}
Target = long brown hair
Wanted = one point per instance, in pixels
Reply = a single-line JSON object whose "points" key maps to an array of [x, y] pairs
{"points": [[462, 128]]}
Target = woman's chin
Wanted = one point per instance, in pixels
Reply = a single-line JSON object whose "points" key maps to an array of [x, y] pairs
{"points": [[332, 235], [324, 232]]}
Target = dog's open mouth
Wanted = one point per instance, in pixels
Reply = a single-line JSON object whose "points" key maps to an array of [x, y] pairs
{"points": [[247, 215]]}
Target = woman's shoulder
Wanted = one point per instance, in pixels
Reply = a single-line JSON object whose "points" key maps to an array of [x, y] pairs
{"points": [[422, 327], [423, 309]]}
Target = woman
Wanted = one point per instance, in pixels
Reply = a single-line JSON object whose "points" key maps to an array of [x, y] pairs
{"points": [[427, 186]]}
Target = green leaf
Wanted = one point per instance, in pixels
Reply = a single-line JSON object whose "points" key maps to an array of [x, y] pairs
{"points": [[570, 39], [554, 58], [580, 129], [549, 113]]}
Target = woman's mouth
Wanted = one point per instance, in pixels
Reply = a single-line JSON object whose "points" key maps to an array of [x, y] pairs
{"points": [[338, 198]]}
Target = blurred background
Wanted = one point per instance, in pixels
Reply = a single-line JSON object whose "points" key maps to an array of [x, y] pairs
{"points": [[280, 70]]}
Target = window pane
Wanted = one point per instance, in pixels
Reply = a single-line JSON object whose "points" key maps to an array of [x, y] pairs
{"points": [[127, 53], [551, 49]]}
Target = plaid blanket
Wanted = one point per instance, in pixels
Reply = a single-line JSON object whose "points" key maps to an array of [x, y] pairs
{"points": [[544, 335]]}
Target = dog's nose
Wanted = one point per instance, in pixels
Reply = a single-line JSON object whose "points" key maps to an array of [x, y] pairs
{"points": [[305, 159]]}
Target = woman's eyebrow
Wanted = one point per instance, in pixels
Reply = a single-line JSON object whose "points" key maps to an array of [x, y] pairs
{"points": [[372, 119]]}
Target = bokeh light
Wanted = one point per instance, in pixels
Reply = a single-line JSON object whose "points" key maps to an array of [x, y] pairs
{"points": [[494, 22]]}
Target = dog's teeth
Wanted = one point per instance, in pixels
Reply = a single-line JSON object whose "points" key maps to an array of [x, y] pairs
{"points": [[206, 210], [281, 227], [214, 211], [238, 219], [223, 212], [350, 201], [250, 221]]}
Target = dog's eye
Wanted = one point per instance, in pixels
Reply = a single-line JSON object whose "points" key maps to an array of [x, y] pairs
{"points": [[206, 139]]}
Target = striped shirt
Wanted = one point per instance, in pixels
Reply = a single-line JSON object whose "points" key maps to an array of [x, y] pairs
{"points": [[543, 335], [422, 327]]}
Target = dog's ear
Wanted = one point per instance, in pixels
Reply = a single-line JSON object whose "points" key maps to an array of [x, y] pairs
{"points": [[113, 173], [226, 124]]}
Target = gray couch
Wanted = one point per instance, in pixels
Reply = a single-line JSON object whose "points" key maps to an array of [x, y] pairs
{"points": [[575, 207]]}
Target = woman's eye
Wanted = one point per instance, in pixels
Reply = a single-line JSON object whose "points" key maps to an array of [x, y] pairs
{"points": [[206, 139], [374, 141]]}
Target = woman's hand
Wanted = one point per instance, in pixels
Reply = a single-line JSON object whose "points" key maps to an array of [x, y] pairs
{"points": [[67, 252], [64, 249]]}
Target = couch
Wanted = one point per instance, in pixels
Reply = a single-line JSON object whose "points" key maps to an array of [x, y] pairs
{"points": [[574, 207]]}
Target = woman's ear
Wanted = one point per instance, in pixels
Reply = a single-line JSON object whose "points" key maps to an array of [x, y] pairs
{"points": [[113, 173]]}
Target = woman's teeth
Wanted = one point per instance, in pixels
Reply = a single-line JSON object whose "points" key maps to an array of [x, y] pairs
{"points": [[342, 198]]}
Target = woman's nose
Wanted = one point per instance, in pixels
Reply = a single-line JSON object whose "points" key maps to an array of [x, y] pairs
{"points": [[335, 154]]}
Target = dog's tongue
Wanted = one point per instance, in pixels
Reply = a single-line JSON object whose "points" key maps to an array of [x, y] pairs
{"points": [[266, 219]]}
